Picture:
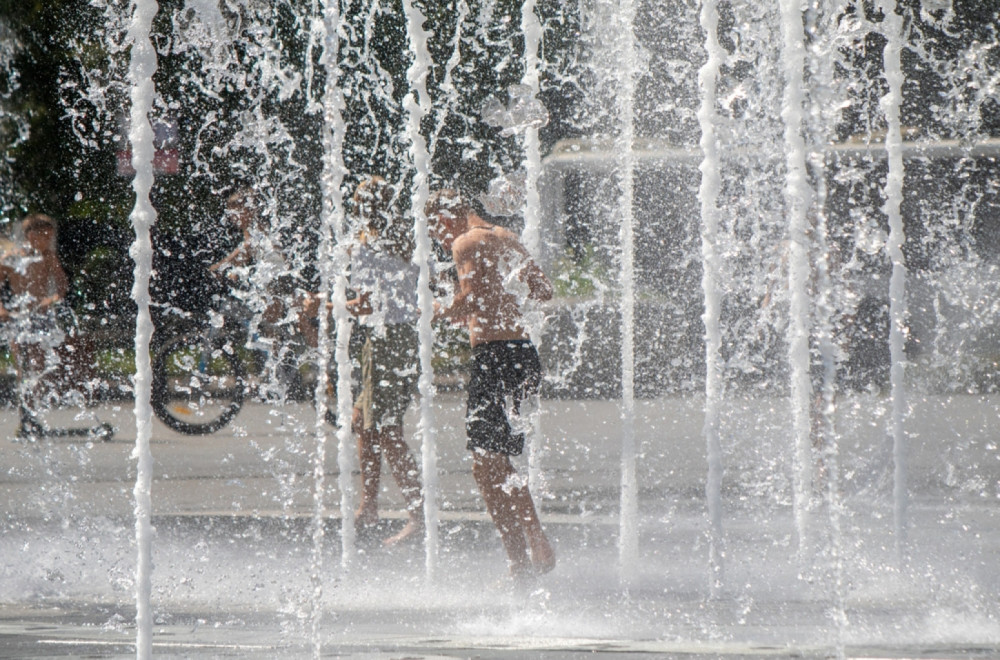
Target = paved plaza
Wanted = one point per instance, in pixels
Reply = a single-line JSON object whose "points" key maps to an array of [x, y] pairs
{"points": [[236, 561]]}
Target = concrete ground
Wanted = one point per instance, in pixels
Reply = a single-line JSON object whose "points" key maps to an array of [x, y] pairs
{"points": [[238, 569]]}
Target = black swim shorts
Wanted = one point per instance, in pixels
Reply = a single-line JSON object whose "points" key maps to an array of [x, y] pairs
{"points": [[504, 373]]}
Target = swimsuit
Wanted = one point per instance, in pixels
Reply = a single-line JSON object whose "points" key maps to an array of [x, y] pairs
{"points": [[504, 373]]}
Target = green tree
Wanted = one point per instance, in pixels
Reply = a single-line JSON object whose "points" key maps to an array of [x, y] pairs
{"points": [[244, 87]]}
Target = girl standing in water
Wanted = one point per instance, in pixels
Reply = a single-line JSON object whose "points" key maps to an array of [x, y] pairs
{"points": [[385, 278]]}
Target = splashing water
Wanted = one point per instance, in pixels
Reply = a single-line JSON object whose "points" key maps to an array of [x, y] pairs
{"points": [[772, 231]]}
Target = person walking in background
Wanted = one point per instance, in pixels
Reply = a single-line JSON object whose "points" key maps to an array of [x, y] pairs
{"points": [[263, 289], [255, 249], [496, 276], [385, 279], [37, 284]]}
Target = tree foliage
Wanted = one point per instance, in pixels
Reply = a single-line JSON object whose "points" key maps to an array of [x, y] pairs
{"points": [[244, 86]]}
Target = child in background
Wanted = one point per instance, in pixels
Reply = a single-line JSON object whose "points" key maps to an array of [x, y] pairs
{"points": [[37, 283]]}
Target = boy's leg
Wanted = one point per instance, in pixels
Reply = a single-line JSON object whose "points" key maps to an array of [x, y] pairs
{"points": [[31, 373], [543, 557], [370, 460], [525, 385], [364, 423], [491, 471], [405, 472]]}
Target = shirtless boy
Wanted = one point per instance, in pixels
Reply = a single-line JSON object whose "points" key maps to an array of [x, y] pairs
{"points": [[36, 287], [495, 276]]}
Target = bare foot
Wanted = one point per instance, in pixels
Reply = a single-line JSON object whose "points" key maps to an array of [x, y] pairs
{"points": [[543, 557], [412, 532], [365, 523], [523, 573]]}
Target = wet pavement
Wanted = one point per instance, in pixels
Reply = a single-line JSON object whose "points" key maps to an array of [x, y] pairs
{"points": [[236, 562]]}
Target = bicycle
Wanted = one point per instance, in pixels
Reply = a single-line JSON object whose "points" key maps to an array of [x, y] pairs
{"points": [[199, 372], [198, 378]]}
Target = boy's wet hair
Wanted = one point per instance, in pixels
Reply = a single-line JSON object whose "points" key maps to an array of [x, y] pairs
{"points": [[449, 200], [242, 199], [245, 199], [374, 200], [37, 221]]}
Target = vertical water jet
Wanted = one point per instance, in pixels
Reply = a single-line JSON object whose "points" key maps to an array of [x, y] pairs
{"points": [[531, 28], [819, 129], [332, 257], [708, 195], [142, 66], [797, 193], [892, 30], [417, 106], [628, 547]]}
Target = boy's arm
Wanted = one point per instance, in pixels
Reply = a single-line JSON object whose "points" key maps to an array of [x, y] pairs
{"points": [[58, 276], [539, 287], [62, 281], [460, 307], [238, 257], [5, 276], [361, 305]]}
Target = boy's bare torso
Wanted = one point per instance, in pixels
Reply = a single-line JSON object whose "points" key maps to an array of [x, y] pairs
{"points": [[491, 263]]}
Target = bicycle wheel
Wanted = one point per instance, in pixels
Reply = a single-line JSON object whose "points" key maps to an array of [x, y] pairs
{"points": [[198, 384]]}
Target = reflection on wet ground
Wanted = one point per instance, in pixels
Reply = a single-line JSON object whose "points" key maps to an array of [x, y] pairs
{"points": [[233, 548]]}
